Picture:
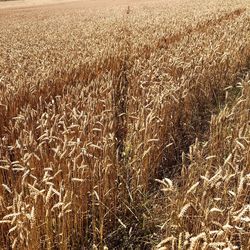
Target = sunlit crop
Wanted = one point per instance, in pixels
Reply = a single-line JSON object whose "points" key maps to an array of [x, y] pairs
{"points": [[101, 109]]}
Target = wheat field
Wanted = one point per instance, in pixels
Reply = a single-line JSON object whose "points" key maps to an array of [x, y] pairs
{"points": [[125, 125]]}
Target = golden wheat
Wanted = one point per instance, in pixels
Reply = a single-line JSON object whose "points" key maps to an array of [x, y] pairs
{"points": [[95, 105]]}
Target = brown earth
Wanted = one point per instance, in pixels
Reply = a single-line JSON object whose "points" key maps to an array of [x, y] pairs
{"points": [[34, 4]]}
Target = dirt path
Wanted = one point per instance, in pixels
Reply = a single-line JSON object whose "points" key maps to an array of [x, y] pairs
{"points": [[34, 4]]}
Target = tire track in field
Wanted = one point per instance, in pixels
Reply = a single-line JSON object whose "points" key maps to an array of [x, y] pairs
{"points": [[164, 42]]}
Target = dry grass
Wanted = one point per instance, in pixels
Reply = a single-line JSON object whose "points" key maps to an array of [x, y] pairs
{"points": [[96, 105]]}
